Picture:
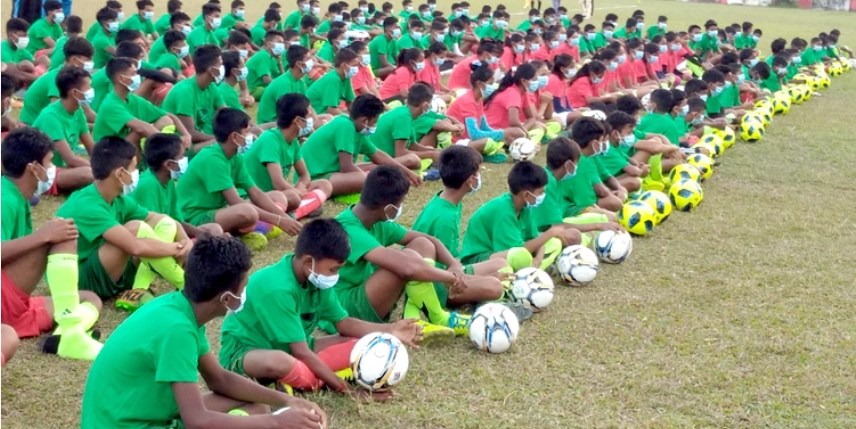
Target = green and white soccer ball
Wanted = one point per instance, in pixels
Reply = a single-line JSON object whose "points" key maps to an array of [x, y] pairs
{"points": [[493, 328], [637, 217], [613, 247], [577, 265], [684, 172], [686, 195], [659, 202], [532, 287], [523, 149], [379, 361]]}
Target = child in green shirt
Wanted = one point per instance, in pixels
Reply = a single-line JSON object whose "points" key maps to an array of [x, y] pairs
{"points": [[44, 33], [271, 338], [204, 197], [115, 231], [166, 345], [104, 40], [328, 92], [73, 28], [143, 20], [172, 60], [50, 251], [293, 81], [395, 133], [205, 31], [269, 22], [271, 159], [236, 72], [18, 61], [235, 19], [660, 120], [163, 24], [266, 65], [65, 123]]}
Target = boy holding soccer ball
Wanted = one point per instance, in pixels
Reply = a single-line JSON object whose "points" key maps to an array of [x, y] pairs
{"points": [[270, 336]]}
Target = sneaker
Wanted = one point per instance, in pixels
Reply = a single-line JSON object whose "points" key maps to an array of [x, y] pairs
{"points": [[432, 333], [459, 323], [497, 158], [255, 240], [346, 374], [274, 232], [520, 310], [132, 300], [431, 174], [284, 388]]}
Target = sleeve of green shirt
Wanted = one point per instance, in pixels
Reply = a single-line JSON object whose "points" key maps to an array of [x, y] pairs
{"points": [[145, 110], [348, 91], [93, 223], [82, 124], [367, 148], [362, 242], [331, 309], [602, 172], [346, 142], [176, 357], [270, 151], [114, 116], [391, 233], [131, 210]]}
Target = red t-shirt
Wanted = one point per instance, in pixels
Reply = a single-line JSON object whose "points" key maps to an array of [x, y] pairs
{"points": [[509, 59], [497, 111], [628, 70], [401, 78], [641, 71], [559, 88], [430, 75], [542, 54], [465, 107], [460, 76], [610, 78], [581, 90], [363, 79], [567, 49]]}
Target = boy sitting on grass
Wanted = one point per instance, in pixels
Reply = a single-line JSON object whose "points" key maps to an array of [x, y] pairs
{"points": [[395, 134], [148, 372], [271, 338], [18, 60], [209, 190], [505, 227]]}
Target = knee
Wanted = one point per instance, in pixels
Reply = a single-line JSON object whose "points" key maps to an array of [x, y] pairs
{"points": [[278, 366], [611, 203], [495, 289], [411, 161], [134, 226], [423, 246], [212, 229], [246, 214], [256, 408], [91, 298], [323, 185], [292, 198]]}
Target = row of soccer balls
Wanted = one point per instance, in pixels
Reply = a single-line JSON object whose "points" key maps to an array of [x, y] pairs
{"points": [[380, 361]]}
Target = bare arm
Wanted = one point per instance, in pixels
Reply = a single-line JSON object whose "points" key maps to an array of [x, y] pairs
{"points": [[274, 170], [68, 155], [407, 266], [54, 231], [190, 126]]}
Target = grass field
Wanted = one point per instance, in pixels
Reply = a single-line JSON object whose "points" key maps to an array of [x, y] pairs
{"points": [[738, 315]]}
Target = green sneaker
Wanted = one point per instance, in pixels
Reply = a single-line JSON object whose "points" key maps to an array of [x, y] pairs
{"points": [[132, 300], [255, 240], [460, 323], [434, 333], [497, 158]]}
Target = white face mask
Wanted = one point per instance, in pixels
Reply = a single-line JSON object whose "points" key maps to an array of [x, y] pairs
{"points": [[248, 143], [44, 185], [221, 72], [242, 298], [322, 281], [277, 49], [184, 51], [186, 29], [307, 66], [23, 42], [242, 76], [182, 167], [478, 186], [366, 59], [215, 23], [129, 188], [310, 126], [113, 27], [243, 53], [352, 71], [148, 15], [398, 211], [539, 199], [59, 17], [135, 83]]}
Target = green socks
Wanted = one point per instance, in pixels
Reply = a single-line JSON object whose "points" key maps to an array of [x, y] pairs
{"points": [[519, 258], [422, 296], [552, 250], [166, 267], [73, 318]]}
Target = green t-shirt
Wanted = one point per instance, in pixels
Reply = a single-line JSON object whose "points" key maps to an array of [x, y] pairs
{"points": [[102, 86], [394, 125], [260, 65], [292, 21], [741, 41], [93, 29], [230, 95], [58, 56], [229, 21], [58, 124], [271, 147], [708, 45], [729, 97], [278, 311], [381, 46], [200, 192], [101, 42], [329, 91], [321, 149], [772, 82], [496, 227], [408, 42], [323, 27], [162, 25], [282, 85], [654, 31], [202, 36], [130, 383], [618, 157], [713, 106], [491, 32], [94, 216], [577, 193], [363, 240], [621, 34], [187, 99], [115, 113], [13, 55], [38, 96], [137, 22], [17, 220], [41, 29], [258, 34], [168, 60], [551, 211], [327, 53], [157, 50], [158, 198], [442, 220], [660, 123]]}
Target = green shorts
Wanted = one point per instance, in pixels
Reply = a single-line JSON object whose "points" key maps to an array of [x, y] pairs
{"points": [[94, 277], [232, 354], [257, 92], [355, 301], [475, 259], [201, 218]]}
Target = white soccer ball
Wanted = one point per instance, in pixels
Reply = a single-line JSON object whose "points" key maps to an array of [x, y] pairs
{"points": [[577, 265], [613, 247], [523, 149], [379, 361], [493, 328], [532, 287], [438, 105]]}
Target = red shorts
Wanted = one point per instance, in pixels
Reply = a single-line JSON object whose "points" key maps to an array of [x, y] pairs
{"points": [[25, 313]]}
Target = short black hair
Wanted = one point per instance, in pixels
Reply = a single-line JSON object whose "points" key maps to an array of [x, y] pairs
{"points": [[109, 154], [713, 76], [419, 93], [127, 34], [51, 5], [173, 5], [662, 99], [70, 78], [457, 164], [366, 106], [269, 35], [118, 65], [205, 57], [526, 176], [238, 37], [106, 14], [216, 264], [231, 61], [8, 85], [113, 4], [561, 150], [210, 8], [694, 86], [289, 107], [294, 54], [161, 147], [177, 17], [22, 147], [129, 50], [323, 239], [17, 24], [384, 185], [171, 37], [308, 21], [78, 46], [343, 56], [618, 120], [229, 120], [141, 4], [628, 104], [272, 15], [585, 130], [696, 104], [73, 24]]}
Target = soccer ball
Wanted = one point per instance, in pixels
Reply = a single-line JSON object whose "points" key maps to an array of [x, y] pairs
{"points": [[379, 361], [577, 265], [684, 172], [613, 247], [806, 91], [796, 95], [493, 328], [703, 163], [532, 287], [764, 103], [751, 131], [523, 149], [596, 114], [438, 106], [781, 104], [715, 141], [659, 202], [728, 136], [825, 81], [813, 82], [704, 148], [637, 217], [765, 116], [686, 195]]}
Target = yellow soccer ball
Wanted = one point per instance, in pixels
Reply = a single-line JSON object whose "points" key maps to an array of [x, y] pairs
{"points": [[714, 140], [729, 137], [684, 172], [659, 202], [637, 217], [686, 195], [703, 163]]}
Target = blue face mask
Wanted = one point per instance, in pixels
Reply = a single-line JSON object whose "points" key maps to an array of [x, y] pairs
{"points": [[568, 173], [753, 62], [534, 85], [596, 80], [489, 89], [539, 199], [628, 140]]}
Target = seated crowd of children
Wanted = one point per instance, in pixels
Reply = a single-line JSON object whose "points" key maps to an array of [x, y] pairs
{"points": [[142, 126]]}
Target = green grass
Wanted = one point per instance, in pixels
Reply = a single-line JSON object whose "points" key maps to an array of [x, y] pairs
{"points": [[737, 315]]}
